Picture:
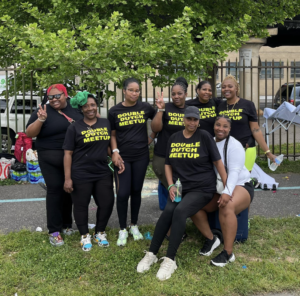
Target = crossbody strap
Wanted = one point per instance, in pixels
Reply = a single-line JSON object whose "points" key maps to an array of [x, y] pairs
{"points": [[67, 117]]}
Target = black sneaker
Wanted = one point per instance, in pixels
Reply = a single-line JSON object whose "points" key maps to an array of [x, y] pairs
{"points": [[255, 182], [209, 246], [222, 259]]}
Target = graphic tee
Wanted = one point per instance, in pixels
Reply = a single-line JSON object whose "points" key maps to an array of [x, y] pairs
{"points": [[53, 131], [243, 112], [89, 146], [192, 161], [130, 124], [208, 113], [172, 122]]}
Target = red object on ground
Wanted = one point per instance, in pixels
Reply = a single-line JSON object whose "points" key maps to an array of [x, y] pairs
{"points": [[23, 143]]}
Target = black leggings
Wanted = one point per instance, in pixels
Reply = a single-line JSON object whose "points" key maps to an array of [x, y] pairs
{"points": [[175, 214], [103, 194], [58, 202], [130, 183]]}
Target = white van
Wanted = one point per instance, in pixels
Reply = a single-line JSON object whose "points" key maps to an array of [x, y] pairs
{"points": [[22, 119]]}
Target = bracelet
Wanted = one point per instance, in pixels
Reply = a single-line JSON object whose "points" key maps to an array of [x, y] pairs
{"points": [[151, 138], [266, 152], [41, 120], [171, 186]]}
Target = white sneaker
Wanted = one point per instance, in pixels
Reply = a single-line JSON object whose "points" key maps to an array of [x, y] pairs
{"points": [[85, 242], [146, 262], [122, 240], [101, 239], [134, 230], [167, 267]]}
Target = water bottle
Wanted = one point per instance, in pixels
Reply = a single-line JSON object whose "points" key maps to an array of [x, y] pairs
{"points": [[278, 161], [178, 192]]}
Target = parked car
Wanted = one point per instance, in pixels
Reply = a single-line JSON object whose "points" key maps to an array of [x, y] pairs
{"points": [[291, 90], [22, 120]]}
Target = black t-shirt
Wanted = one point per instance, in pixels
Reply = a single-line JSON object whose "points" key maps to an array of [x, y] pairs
{"points": [[89, 146], [208, 113], [172, 122], [244, 111], [130, 124], [192, 161], [53, 131]]}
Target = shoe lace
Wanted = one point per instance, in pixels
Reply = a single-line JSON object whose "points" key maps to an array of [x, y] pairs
{"points": [[166, 264], [222, 255], [206, 244], [102, 236], [87, 239], [122, 234], [147, 257], [135, 230]]}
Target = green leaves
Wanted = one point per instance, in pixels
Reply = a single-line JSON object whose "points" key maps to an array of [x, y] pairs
{"points": [[108, 40]]}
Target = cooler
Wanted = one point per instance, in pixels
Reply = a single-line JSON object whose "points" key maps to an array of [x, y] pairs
{"points": [[242, 229]]}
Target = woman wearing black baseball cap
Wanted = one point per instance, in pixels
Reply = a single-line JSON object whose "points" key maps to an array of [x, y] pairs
{"points": [[191, 156]]}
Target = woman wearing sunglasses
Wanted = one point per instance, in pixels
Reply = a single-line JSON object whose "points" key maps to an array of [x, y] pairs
{"points": [[49, 124]]}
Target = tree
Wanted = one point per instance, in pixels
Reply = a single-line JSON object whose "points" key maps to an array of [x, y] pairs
{"points": [[109, 40]]}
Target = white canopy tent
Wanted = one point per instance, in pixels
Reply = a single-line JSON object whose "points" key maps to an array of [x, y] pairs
{"points": [[285, 116]]}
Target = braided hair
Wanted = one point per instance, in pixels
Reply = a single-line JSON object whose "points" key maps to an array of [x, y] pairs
{"points": [[227, 138], [181, 81]]}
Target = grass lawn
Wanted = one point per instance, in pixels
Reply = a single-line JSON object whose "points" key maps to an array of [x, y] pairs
{"points": [[267, 262]]}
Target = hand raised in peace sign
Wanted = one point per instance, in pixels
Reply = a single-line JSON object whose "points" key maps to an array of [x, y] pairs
{"points": [[159, 101], [42, 112]]}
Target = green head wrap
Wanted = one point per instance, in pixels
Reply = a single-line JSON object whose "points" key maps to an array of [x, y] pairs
{"points": [[80, 99]]}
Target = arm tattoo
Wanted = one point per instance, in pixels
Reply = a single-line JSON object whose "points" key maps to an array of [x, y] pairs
{"points": [[255, 130]]}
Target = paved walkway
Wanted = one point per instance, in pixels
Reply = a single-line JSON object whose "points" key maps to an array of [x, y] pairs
{"points": [[23, 206]]}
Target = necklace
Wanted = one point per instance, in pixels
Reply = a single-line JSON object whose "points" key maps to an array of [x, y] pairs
{"points": [[233, 105]]}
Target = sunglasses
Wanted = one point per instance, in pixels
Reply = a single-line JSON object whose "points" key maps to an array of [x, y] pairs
{"points": [[51, 97]]}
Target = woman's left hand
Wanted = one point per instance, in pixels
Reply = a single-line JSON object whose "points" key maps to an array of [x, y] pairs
{"points": [[172, 193], [223, 200]]}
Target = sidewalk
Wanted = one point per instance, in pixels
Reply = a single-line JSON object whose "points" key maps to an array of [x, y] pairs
{"points": [[23, 206]]}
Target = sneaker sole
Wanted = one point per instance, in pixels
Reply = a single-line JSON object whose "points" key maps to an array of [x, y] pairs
{"points": [[57, 245], [103, 246], [168, 276], [214, 246], [86, 250], [232, 259]]}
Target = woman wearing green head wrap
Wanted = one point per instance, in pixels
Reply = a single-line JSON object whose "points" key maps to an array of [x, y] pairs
{"points": [[87, 145]]}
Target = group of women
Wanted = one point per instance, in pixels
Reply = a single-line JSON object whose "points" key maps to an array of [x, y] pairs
{"points": [[73, 144]]}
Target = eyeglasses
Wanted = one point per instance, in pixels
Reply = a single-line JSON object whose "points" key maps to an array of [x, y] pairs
{"points": [[134, 91], [51, 97]]}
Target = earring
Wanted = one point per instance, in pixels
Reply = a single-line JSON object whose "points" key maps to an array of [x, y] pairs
{"points": [[199, 125]]}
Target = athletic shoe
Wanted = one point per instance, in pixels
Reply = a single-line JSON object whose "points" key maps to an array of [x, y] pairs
{"points": [[100, 238], [122, 240], [167, 267], [146, 262], [56, 239], [222, 259], [209, 246], [134, 230], [68, 231], [85, 242], [255, 182]]}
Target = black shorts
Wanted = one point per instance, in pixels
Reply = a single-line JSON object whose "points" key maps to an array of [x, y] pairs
{"points": [[250, 188]]}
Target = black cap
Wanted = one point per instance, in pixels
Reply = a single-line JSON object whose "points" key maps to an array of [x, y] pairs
{"points": [[192, 111]]}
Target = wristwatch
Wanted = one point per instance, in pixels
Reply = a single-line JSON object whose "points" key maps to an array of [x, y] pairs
{"points": [[161, 110], [116, 150]]}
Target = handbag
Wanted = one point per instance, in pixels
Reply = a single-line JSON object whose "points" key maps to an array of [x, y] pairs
{"points": [[219, 183]]}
